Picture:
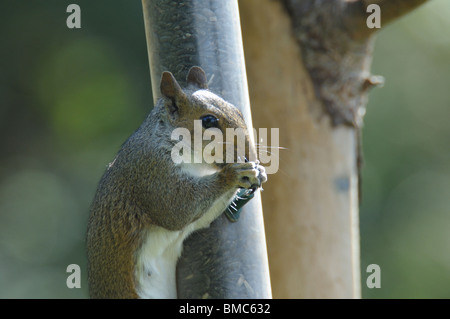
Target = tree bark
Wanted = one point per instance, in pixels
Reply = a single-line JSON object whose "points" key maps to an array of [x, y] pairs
{"points": [[308, 66]]}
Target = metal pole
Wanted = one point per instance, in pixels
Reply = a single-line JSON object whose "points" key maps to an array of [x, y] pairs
{"points": [[227, 260]]}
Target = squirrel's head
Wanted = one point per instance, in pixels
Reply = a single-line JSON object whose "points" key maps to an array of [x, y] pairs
{"points": [[216, 124]]}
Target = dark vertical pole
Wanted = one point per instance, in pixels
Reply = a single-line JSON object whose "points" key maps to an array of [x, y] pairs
{"points": [[227, 260]]}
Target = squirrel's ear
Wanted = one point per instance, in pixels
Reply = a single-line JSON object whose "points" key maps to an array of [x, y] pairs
{"points": [[197, 77], [170, 87]]}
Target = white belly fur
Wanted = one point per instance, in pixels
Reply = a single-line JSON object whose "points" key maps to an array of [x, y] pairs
{"points": [[157, 259]]}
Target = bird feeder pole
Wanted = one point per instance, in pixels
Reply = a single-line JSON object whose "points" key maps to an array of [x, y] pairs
{"points": [[226, 260]]}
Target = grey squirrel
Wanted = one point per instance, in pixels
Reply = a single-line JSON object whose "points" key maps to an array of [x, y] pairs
{"points": [[146, 205]]}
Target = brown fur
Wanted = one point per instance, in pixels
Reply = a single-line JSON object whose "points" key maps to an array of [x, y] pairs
{"points": [[143, 187]]}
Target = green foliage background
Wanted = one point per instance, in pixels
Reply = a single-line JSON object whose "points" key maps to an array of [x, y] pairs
{"points": [[69, 98]]}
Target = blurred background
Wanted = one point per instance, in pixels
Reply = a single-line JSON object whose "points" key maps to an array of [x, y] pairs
{"points": [[70, 97]]}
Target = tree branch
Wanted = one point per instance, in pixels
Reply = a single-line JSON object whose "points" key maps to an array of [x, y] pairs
{"points": [[354, 14], [336, 45]]}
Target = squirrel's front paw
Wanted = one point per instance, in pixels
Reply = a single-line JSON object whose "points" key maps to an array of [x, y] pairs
{"points": [[248, 175]]}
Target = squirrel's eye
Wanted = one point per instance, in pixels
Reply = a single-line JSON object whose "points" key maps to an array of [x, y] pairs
{"points": [[209, 121]]}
